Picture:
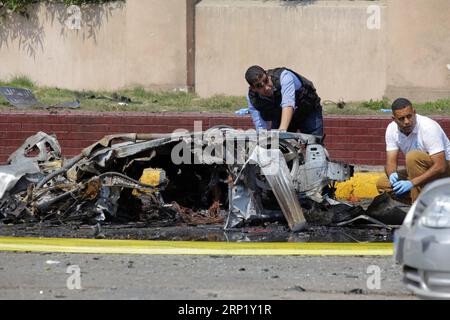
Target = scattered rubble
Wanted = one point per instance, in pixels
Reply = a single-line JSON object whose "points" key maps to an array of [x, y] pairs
{"points": [[221, 176], [24, 98]]}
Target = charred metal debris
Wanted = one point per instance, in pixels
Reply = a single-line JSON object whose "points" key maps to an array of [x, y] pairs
{"points": [[220, 176], [24, 98]]}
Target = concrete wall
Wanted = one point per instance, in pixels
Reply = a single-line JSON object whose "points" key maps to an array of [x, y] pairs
{"points": [[418, 49], [151, 43], [329, 42], [156, 43], [121, 44], [326, 41]]}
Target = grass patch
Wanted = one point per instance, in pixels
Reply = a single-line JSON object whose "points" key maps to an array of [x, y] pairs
{"points": [[376, 105], [170, 101], [136, 99], [382, 107], [19, 82]]}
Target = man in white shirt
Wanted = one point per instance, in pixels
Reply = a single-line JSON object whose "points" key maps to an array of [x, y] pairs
{"points": [[425, 146]]}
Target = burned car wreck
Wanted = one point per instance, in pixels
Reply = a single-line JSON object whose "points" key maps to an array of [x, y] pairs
{"points": [[220, 176]]}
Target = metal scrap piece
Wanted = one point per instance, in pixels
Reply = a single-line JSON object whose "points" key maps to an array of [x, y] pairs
{"points": [[11, 174], [48, 146], [364, 218], [133, 149], [114, 179], [24, 98], [67, 165], [107, 204], [11, 206], [106, 142], [19, 97], [274, 167], [242, 203]]}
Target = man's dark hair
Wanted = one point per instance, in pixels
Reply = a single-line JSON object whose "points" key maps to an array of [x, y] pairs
{"points": [[254, 74], [400, 104]]}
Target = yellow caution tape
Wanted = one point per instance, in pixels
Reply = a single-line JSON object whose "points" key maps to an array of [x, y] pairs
{"points": [[193, 248]]}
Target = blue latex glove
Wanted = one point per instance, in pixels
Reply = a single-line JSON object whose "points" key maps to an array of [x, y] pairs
{"points": [[393, 178], [243, 112], [402, 187]]}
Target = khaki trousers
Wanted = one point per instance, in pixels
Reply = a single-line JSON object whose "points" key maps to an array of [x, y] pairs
{"points": [[417, 163]]}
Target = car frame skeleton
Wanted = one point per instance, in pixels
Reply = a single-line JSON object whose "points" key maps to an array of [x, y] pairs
{"points": [[221, 175]]}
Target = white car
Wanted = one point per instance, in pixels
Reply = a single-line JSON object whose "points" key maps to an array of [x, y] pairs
{"points": [[422, 244]]}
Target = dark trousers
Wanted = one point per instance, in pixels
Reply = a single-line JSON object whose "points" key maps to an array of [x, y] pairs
{"points": [[309, 124]]}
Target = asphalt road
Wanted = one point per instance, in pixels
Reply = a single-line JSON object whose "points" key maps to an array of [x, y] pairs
{"points": [[41, 276]]}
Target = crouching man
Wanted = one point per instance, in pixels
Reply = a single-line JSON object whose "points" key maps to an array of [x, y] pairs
{"points": [[427, 151]]}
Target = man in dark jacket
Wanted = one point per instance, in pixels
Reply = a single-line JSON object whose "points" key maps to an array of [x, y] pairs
{"points": [[286, 99]]}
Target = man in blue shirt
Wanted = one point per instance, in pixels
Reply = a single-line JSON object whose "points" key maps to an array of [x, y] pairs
{"points": [[285, 99]]}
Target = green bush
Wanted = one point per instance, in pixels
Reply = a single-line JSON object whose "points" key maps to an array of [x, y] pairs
{"points": [[376, 105], [20, 6], [20, 81]]}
